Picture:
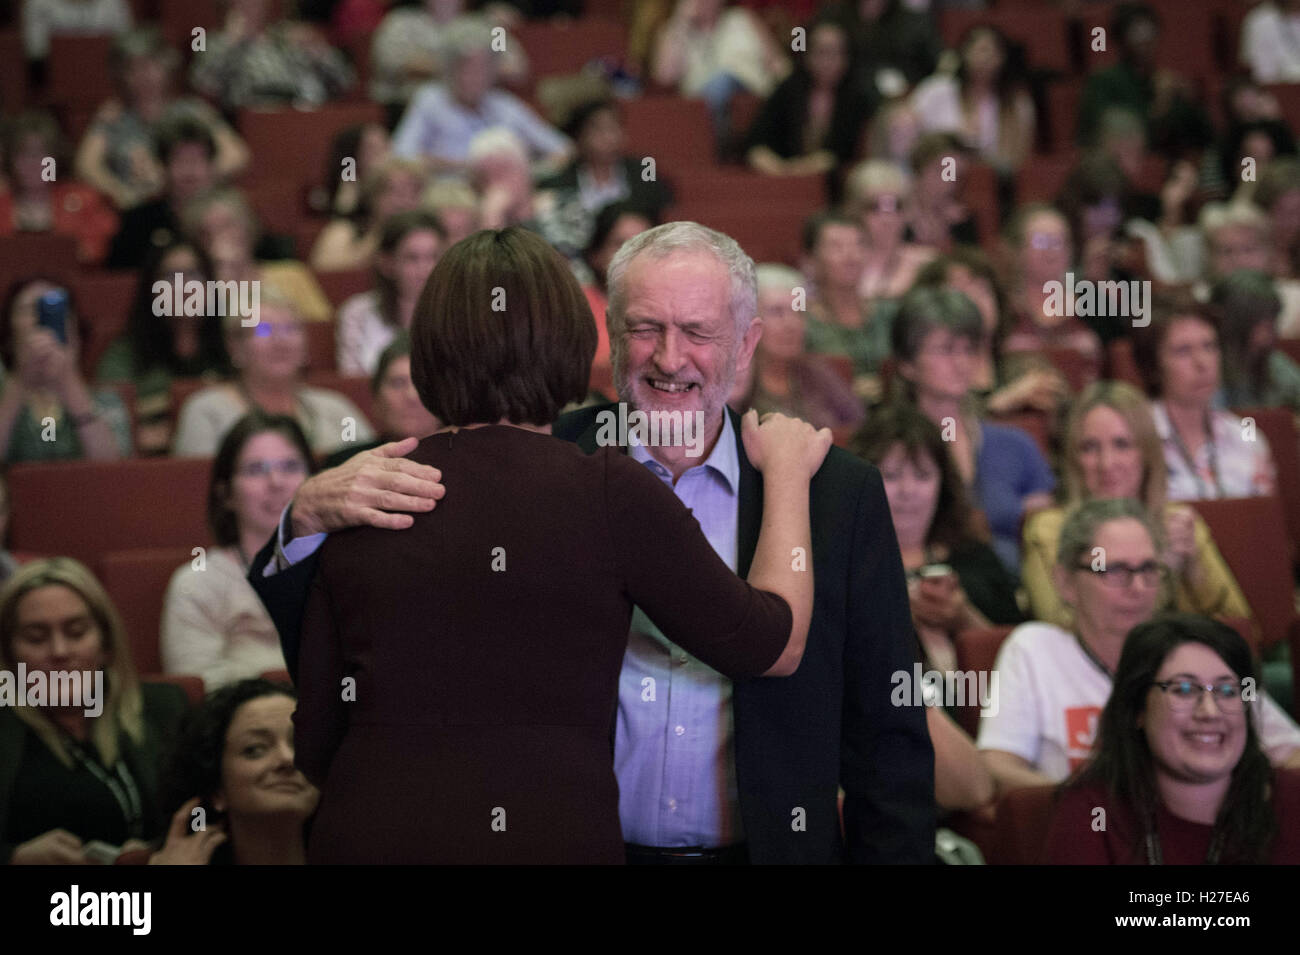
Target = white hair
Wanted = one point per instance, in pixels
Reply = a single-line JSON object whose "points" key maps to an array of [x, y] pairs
{"points": [[1223, 215], [876, 175], [672, 237], [781, 277], [496, 141]]}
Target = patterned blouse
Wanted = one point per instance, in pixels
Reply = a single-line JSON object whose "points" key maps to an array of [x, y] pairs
{"points": [[1236, 462]]}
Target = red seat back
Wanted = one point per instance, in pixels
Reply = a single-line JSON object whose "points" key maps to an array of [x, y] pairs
{"points": [[1023, 818], [1278, 425], [977, 652], [77, 70], [137, 581]]}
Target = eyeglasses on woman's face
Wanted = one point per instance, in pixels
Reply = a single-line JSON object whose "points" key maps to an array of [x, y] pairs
{"points": [[1184, 696], [1120, 575]]}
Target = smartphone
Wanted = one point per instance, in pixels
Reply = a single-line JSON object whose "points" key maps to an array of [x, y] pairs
{"points": [[52, 313], [101, 853], [934, 570]]}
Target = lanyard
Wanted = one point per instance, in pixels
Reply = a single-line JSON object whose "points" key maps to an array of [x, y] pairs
{"points": [[1191, 464], [1156, 857], [121, 785]]}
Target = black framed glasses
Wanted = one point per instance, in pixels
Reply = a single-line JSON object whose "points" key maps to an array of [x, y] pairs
{"points": [[1121, 576], [1185, 695]]}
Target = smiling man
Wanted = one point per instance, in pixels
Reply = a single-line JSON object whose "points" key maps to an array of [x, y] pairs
{"points": [[711, 771]]}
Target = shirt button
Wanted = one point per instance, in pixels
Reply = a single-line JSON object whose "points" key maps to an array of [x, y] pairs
{"points": [[672, 804], [681, 658], [681, 730]]}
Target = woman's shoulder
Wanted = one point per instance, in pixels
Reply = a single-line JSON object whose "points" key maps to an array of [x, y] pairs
{"points": [[363, 305], [1045, 524]]}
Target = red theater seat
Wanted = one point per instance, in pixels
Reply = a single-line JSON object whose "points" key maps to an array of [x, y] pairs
{"points": [[1278, 425], [676, 132], [977, 652], [77, 71], [1023, 818], [85, 509], [565, 47], [341, 286], [137, 582], [292, 143], [104, 299]]}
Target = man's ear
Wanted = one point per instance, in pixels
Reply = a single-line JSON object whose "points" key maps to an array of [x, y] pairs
{"points": [[748, 342]]}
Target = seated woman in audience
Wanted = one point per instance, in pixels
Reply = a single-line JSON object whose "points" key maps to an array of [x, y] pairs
{"points": [[268, 359], [1039, 240], [938, 215], [409, 246], [1208, 452], [235, 760], [43, 19], [935, 339], [254, 61], [1256, 373], [117, 153], [782, 376], [614, 225], [986, 101], [710, 51], [213, 624], [349, 242], [456, 206], [223, 224], [1278, 195], [398, 411], [1112, 451], [813, 121], [1095, 202], [70, 775], [1182, 779], [1236, 235], [357, 150], [877, 193], [48, 411], [41, 197], [955, 580], [156, 349], [1053, 682]]}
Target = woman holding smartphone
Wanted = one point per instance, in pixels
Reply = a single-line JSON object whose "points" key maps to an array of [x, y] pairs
{"points": [[47, 410]]}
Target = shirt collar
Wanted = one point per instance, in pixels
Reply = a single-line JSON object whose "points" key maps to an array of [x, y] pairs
{"points": [[723, 460]]}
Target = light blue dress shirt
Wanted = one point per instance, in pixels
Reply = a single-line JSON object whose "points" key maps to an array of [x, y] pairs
{"points": [[436, 124], [673, 751]]}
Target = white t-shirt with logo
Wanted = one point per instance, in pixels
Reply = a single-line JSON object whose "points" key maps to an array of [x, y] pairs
{"points": [[1050, 696]]}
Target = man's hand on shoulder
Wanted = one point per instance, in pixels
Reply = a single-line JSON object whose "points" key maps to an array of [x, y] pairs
{"points": [[371, 488]]}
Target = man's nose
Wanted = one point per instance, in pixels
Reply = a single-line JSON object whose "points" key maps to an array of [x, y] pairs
{"points": [[668, 354]]}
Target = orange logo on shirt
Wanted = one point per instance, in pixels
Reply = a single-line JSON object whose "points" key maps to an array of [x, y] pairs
{"points": [[1080, 733]]}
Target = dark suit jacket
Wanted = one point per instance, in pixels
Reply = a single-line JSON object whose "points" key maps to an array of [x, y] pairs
{"points": [[798, 739], [165, 706]]}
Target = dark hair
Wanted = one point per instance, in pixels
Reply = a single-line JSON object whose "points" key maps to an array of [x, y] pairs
{"points": [[581, 114], [816, 223], [1242, 301], [345, 145], [152, 338], [901, 423], [1230, 154], [607, 218], [502, 331], [33, 122], [927, 308], [399, 347], [1011, 77], [221, 519], [178, 131], [932, 145], [391, 234], [934, 274], [1279, 177], [1097, 177], [1122, 763], [1126, 14], [194, 766], [1168, 309], [85, 330]]}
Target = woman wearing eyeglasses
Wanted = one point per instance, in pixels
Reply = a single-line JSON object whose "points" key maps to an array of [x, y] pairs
{"points": [[1178, 766], [1053, 682], [214, 626]]}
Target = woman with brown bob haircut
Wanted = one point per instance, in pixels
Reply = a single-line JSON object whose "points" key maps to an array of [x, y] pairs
{"points": [[458, 681]]}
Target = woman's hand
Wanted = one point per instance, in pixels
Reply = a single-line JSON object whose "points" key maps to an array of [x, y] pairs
{"points": [[782, 444], [184, 847], [44, 362], [1180, 538], [940, 602], [56, 847]]}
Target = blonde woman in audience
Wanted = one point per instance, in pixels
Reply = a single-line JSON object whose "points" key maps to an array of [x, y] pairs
{"points": [[225, 227], [350, 242], [67, 778], [235, 760], [410, 244], [877, 192], [1053, 682], [213, 624], [1112, 450], [456, 206], [268, 358], [1208, 452]]}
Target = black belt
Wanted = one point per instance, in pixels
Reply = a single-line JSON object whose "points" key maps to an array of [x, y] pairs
{"points": [[687, 855]]}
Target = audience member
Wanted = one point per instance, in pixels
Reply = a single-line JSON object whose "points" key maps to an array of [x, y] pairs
{"points": [[1112, 451], [351, 241], [118, 153], [1255, 372], [43, 19], [455, 205], [268, 359], [72, 775], [1181, 781], [1278, 195], [213, 625], [938, 215], [1270, 41], [935, 340], [159, 347], [410, 244], [614, 225], [48, 411], [1208, 453], [234, 759], [877, 193], [355, 153], [1053, 683]]}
